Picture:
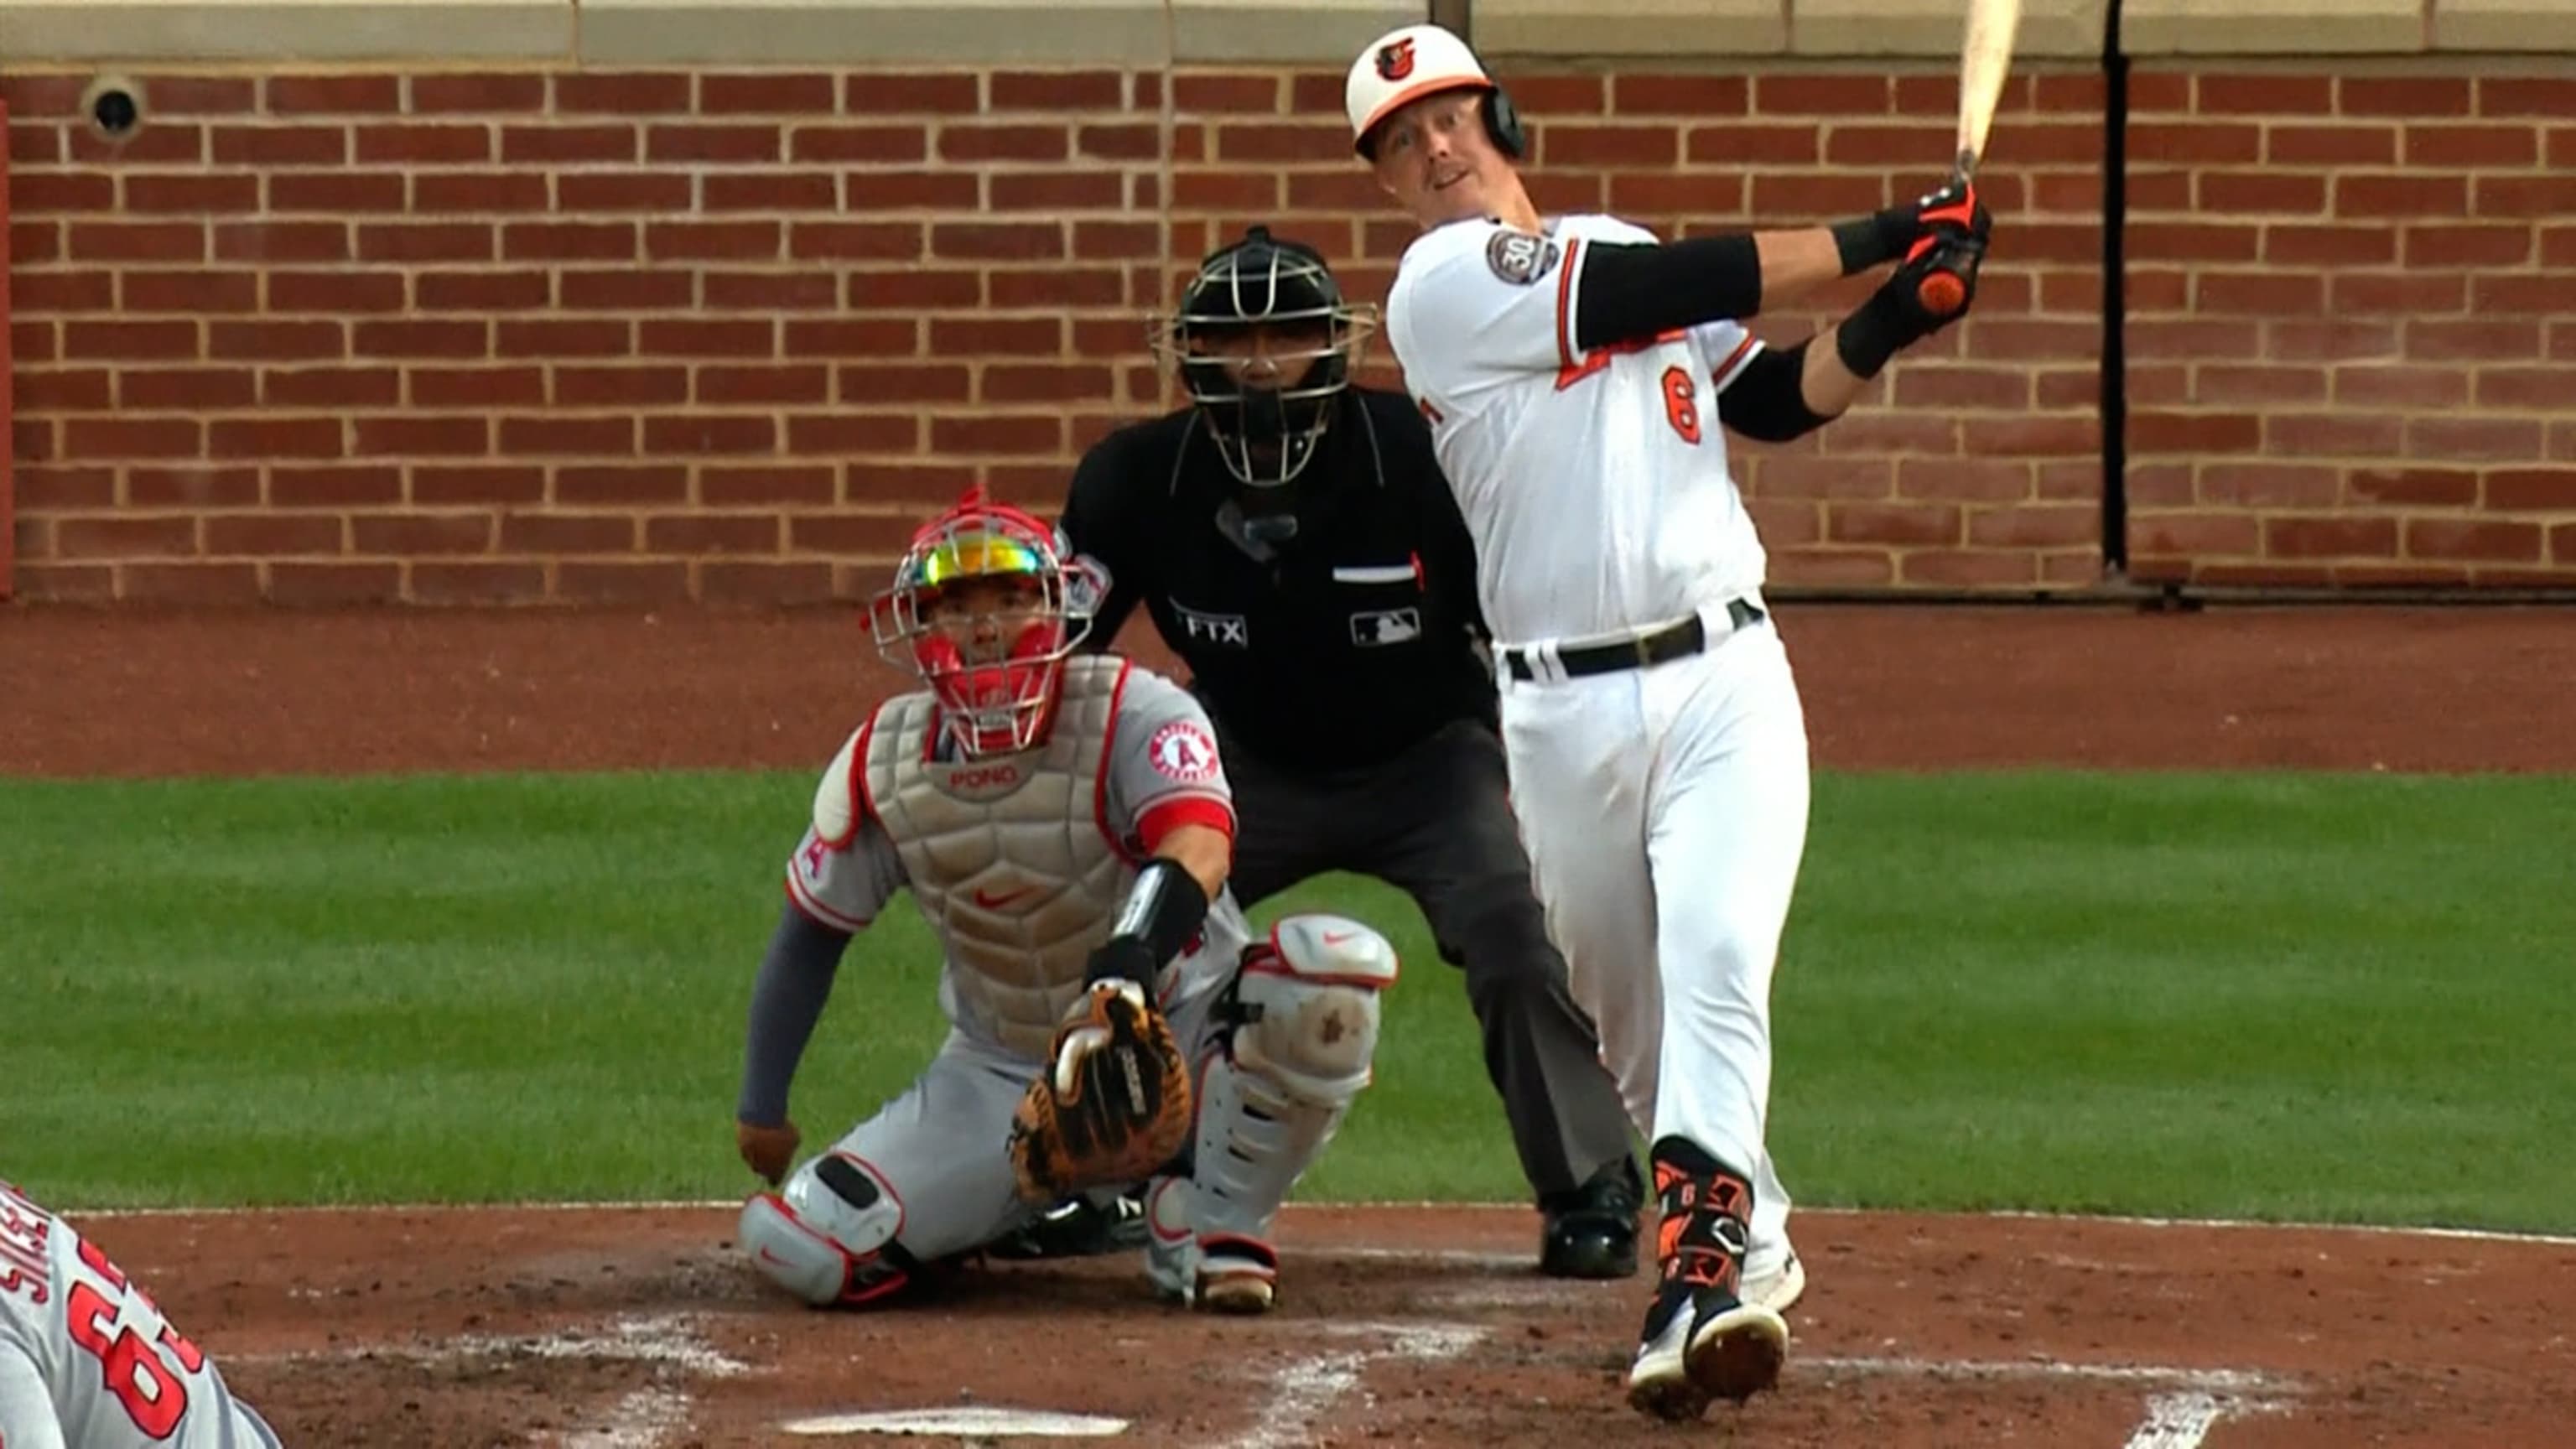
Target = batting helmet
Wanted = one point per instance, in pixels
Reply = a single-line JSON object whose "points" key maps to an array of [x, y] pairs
{"points": [[1402, 66], [1264, 342]]}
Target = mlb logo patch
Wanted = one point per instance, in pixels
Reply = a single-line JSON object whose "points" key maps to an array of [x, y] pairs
{"points": [[1382, 627]]}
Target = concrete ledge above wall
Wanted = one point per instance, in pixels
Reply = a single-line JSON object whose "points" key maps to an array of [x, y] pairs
{"points": [[1633, 29], [1140, 33], [1325, 31], [2049, 28], [33, 32], [2506, 25], [981, 32], [2273, 27]]}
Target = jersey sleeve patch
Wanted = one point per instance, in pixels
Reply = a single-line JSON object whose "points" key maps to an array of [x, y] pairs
{"points": [[1182, 751], [1519, 258]]}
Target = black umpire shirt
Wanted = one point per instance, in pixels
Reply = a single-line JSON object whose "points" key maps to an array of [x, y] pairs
{"points": [[1337, 648]]}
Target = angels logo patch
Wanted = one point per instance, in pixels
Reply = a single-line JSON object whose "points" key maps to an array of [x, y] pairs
{"points": [[1182, 751], [1520, 258], [1395, 61]]}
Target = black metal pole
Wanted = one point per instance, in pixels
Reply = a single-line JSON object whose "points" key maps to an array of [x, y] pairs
{"points": [[2115, 308]]}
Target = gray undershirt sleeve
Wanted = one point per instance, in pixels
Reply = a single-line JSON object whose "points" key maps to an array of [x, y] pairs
{"points": [[786, 1001]]}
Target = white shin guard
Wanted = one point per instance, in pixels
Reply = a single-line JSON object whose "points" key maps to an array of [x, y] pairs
{"points": [[1268, 1104]]}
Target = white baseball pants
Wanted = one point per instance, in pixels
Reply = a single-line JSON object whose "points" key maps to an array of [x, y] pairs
{"points": [[1665, 814]]}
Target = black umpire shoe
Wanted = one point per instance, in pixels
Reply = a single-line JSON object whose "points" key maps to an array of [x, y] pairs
{"points": [[1077, 1227], [1591, 1232]]}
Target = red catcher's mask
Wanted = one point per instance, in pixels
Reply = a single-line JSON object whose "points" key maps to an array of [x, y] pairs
{"points": [[982, 609]]}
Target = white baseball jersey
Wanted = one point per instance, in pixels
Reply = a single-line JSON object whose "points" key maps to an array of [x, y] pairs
{"points": [[1596, 484], [1019, 862], [87, 1361]]}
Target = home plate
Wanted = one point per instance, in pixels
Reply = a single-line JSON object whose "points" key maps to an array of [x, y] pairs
{"points": [[991, 1423]]}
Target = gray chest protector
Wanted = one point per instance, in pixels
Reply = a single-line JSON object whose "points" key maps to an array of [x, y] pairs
{"points": [[1010, 857]]}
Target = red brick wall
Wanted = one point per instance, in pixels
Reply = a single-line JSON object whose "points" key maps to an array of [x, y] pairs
{"points": [[450, 337], [2351, 359]]}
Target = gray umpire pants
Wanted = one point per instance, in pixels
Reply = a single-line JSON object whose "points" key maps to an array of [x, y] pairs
{"points": [[1436, 823]]}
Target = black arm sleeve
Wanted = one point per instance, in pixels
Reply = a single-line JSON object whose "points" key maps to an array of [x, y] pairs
{"points": [[1163, 910], [1092, 522], [1630, 291], [795, 981], [1768, 399]]}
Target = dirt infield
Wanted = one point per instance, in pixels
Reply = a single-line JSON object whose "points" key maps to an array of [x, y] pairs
{"points": [[1408, 1326], [636, 1328], [263, 692]]}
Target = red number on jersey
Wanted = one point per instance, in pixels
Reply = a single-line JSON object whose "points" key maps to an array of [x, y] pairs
{"points": [[1681, 405], [154, 1397]]}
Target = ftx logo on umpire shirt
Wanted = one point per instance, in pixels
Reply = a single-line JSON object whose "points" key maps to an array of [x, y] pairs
{"points": [[1226, 629]]}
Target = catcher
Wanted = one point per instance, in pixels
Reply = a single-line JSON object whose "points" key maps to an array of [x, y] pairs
{"points": [[87, 1361], [1064, 825]]}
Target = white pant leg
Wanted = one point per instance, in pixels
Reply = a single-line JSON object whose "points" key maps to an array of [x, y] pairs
{"points": [[1578, 753], [26, 1405], [1727, 830]]}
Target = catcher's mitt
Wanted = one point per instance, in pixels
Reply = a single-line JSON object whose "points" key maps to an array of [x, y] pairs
{"points": [[1113, 1105]]}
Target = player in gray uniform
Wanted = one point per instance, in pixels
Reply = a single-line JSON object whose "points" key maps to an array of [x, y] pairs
{"points": [[86, 1359], [1064, 825]]}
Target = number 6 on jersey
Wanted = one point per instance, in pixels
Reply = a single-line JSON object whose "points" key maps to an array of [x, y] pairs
{"points": [[1681, 404]]}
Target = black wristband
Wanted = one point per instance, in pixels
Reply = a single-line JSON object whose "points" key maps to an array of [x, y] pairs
{"points": [[1123, 958], [1865, 242], [1162, 913], [1874, 333]]}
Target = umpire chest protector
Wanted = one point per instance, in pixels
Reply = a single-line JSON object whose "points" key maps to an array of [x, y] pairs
{"points": [[1010, 857]]}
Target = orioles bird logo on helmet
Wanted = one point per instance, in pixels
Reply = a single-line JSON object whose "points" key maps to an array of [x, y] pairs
{"points": [[1395, 61]]}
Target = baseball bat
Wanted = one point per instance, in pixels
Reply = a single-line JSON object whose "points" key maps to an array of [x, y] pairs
{"points": [[1984, 59]]}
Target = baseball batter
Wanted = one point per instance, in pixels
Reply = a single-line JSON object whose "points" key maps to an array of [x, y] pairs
{"points": [[1576, 375], [1064, 825], [87, 1361]]}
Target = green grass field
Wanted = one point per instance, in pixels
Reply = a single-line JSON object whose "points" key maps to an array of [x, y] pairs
{"points": [[2298, 996]]}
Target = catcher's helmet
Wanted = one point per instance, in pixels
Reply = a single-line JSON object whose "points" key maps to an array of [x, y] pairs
{"points": [[1264, 342], [995, 673]]}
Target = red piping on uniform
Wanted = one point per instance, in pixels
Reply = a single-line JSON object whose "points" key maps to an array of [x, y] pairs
{"points": [[1725, 372], [862, 804], [1100, 773], [1565, 302]]}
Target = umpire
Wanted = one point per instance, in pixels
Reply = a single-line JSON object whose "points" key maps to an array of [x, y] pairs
{"points": [[1298, 548]]}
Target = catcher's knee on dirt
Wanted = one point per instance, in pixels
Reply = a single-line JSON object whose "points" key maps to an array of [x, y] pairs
{"points": [[1306, 1004], [829, 1236]]}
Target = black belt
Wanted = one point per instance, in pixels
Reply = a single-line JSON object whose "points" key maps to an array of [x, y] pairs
{"points": [[1679, 641]]}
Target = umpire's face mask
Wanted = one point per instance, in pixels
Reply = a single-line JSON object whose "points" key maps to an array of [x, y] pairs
{"points": [[1265, 393]]}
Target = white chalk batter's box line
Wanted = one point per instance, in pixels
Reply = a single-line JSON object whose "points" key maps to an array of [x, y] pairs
{"points": [[1305, 1392], [2475, 1235]]}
